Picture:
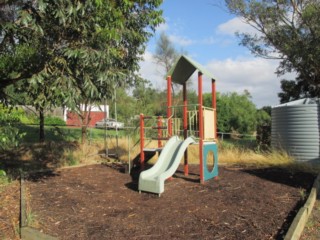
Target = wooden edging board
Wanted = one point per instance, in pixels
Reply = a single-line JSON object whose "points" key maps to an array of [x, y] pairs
{"points": [[303, 214]]}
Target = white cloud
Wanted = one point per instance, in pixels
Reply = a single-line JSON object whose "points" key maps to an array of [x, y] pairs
{"points": [[152, 71], [162, 27], [235, 25], [185, 41], [232, 75], [208, 41], [253, 74], [180, 40]]}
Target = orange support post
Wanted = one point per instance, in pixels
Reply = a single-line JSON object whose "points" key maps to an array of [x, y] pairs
{"points": [[214, 106], [159, 124], [169, 104], [185, 128], [142, 158], [200, 101]]}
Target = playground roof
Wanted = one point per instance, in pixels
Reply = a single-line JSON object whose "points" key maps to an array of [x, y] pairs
{"points": [[184, 68]]}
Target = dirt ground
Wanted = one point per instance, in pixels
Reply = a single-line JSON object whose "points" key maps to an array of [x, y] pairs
{"points": [[100, 202]]}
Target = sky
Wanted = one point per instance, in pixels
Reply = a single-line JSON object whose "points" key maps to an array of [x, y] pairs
{"points": [[206, 32]]}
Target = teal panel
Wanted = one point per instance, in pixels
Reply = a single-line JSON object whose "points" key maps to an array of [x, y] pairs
{"points": [[207, 147]]}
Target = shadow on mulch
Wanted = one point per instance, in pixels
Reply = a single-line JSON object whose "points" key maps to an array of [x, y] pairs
{"points": [[39, 176], [296, 179], [286, 176]]}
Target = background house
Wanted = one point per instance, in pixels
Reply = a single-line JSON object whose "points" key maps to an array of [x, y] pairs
{"points": [[96, 113]]}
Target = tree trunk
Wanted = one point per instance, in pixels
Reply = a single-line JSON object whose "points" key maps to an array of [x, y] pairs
{"points": [[85, 120], [41, 125], [84, 134]]}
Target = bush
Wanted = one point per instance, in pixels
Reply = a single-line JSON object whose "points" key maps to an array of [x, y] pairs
{"points": [[28, 119], [9, 133], [53, 121], [264, 135]]}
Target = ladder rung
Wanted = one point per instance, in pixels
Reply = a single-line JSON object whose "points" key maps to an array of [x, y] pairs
{"points": [[160, 138], [163, 127]]}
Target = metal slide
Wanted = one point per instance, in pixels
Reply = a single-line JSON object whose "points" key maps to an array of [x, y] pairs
{"points": [[152, 180]]}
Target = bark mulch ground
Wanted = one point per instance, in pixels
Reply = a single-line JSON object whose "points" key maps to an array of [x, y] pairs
{"points": [[99, 202], [10, 210]]}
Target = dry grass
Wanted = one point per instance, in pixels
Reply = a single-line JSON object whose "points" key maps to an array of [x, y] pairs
{"points": [[229, 154], [243, 156], [61, 154], [233, 155]]}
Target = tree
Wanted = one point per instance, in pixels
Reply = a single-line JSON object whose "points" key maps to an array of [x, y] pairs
{"points": [[236, 112], [149, 101], [290, 91], [288, 31], [90, 47], [166, 54], [125, 106]]}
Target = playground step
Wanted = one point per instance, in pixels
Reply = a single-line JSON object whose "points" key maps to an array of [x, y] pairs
{"points": [[152, 149], [148, 154]]}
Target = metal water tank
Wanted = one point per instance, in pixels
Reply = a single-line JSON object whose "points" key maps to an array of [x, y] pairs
{"points": [[295, 128]]}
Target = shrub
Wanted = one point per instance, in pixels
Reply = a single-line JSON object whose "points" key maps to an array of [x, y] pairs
{"points": [[53, 121], [9, 133], [264, 136], [28, 119]]}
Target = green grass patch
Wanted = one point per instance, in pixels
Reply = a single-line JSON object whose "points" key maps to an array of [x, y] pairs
{"points": [[4, 179], [71, 160], [243, 143], [64, 133]]}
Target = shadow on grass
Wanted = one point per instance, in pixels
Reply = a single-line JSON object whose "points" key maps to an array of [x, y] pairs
{"points": [[52, 133], [36, 157]]}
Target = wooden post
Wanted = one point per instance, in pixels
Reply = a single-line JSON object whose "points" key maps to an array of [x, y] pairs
{"points": [[214, 106], [200, 102]]}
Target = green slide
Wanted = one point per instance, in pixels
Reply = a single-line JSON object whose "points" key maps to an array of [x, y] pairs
{"points": [[152, 180]]}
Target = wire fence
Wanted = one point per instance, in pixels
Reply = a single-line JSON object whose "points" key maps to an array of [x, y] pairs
{"points": [[73, 133]]}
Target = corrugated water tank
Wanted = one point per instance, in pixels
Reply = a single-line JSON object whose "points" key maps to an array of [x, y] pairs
{"points": [[295, 128]]}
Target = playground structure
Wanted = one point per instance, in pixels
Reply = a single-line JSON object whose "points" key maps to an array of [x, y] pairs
{"points": [[196, 125]]}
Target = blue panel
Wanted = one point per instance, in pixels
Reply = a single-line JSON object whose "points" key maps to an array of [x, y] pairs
{"points": [[206, 149]]}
